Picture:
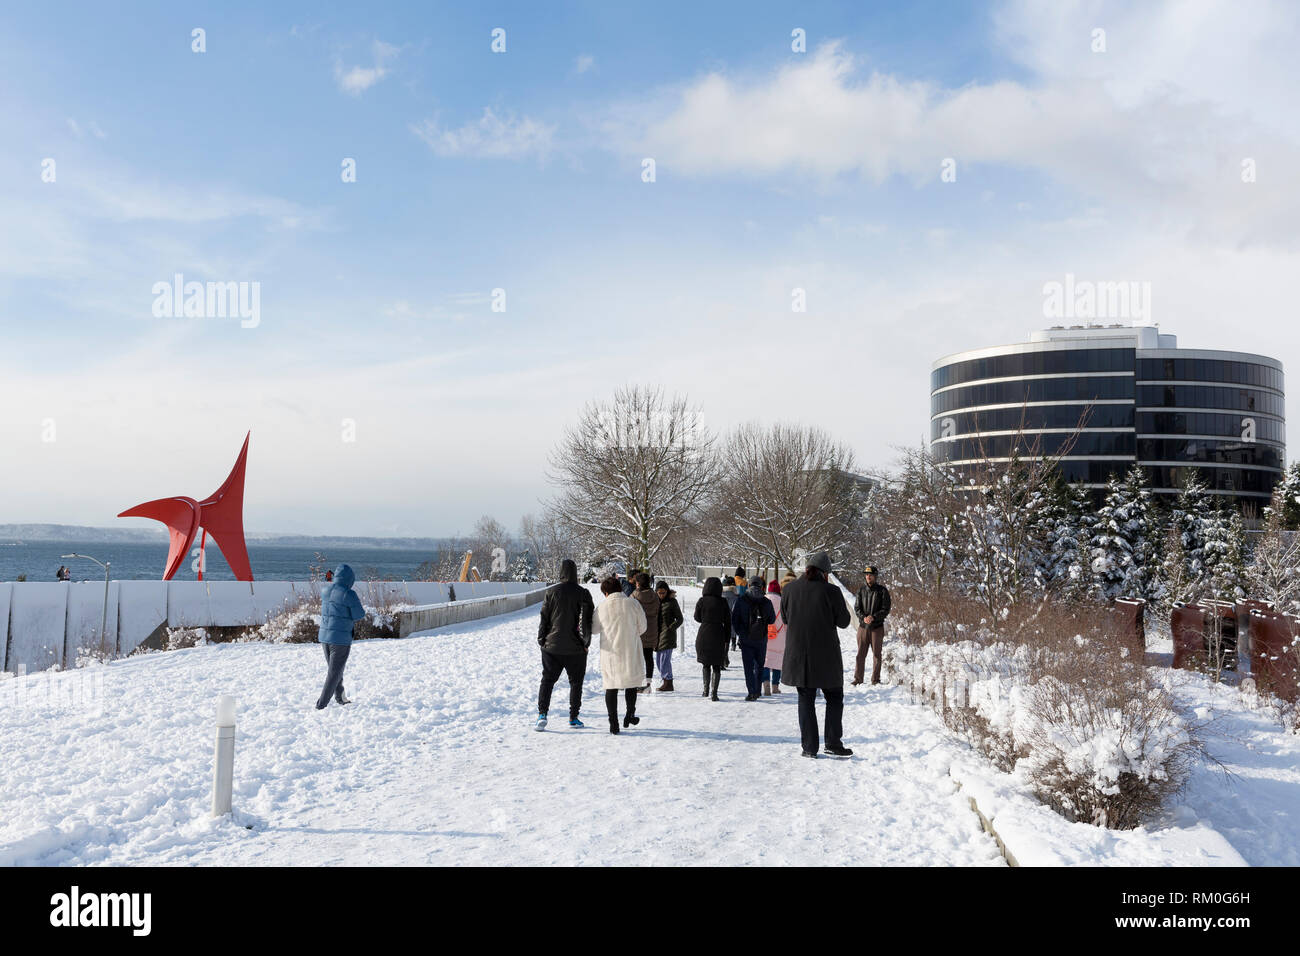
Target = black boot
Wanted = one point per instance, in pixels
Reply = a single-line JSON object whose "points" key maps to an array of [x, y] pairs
{"points": [[611, 708], [717, 676], [706, 682], [631, 719]]}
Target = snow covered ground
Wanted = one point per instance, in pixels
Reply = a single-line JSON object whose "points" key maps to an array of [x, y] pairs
{"points": [[437, 762]]}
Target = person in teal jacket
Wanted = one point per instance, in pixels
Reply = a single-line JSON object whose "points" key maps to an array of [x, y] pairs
{"points": [[340, 608]]}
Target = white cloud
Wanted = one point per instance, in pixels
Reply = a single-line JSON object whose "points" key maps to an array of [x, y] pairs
{"points": [[1162, 151], [583, 63], [491, 136], [357, 79]]}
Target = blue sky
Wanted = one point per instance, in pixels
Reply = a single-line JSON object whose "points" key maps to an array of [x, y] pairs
{"points": [[522, 171]]}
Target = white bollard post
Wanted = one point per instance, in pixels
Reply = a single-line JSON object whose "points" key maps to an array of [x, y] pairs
{"points": [[223, 765]]}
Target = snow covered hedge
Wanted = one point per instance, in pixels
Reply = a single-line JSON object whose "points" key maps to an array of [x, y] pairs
{"points": [[1054, 697], [294, 624]]}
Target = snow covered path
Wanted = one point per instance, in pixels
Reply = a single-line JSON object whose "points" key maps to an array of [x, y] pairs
{"points": [[437, 762]]}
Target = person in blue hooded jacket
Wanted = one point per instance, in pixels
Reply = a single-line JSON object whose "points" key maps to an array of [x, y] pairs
{"points": [[340, 608]]}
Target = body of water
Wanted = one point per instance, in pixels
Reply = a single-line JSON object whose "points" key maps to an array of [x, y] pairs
{"points": [[141, 561]]}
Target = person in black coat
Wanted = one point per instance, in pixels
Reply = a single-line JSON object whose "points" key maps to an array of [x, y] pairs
{"points": [[749, 619], [564, 634], [814, 610], [714, 617], [670, 620]]}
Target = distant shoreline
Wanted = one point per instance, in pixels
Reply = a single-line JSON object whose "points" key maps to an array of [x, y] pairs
{"points": [[21, 534]]}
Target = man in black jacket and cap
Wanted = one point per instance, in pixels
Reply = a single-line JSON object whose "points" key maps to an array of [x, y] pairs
{"points": [[564, 636], [814, 611], [872, 607]]}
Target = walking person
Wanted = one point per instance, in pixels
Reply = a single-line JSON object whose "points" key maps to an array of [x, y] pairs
{"points": [[564, 634], [814, 610], [730, 594], [650, 638], [872, 607], [620, 622], [340, 608], [713, 614], [670, 620], [749, 620], [629, 584], [775, 644]]}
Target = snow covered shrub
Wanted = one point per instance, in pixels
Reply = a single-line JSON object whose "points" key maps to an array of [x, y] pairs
{"points": [[379, 622], [178, 638], [1108, 751], [1052, 693], [294, 624]]}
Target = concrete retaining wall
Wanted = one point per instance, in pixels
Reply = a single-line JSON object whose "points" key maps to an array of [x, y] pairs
{"points": [[430, 616], [50, 623]]}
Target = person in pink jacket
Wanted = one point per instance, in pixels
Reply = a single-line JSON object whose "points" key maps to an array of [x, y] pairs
{"points": [[775, 644]]}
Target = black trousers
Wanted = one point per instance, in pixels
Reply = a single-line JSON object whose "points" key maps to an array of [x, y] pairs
{"points": [[336, 658], [752, 656], [808, 717], [575, 665], [611, 703], [649, 663]]}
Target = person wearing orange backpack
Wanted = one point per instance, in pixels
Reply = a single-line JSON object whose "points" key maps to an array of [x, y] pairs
{"points": [[775, 644]]}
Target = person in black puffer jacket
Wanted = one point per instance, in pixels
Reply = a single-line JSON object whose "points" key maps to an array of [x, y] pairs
{"points": [[749, 619], [713, 614], [564, 634]]}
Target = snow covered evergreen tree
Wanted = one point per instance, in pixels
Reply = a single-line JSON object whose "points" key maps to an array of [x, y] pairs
{"points": [[1142, 529], [1225, 554], [1109, 552], [523, 568], [1068, 548], [1274, 571], [1188, 517], [1289, 492], [1123, 546]]}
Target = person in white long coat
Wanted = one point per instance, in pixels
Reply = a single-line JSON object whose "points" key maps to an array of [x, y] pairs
{"points": [[620, 621]]}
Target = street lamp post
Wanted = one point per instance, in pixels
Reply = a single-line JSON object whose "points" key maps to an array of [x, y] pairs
{"points": [[103, 621]]}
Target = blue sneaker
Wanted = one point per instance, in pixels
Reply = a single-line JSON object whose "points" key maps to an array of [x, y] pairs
{"points": [[575, 722], [541, 722]]}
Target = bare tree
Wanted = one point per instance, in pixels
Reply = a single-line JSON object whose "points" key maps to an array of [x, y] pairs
{"points": [[786, 489], [632, 471], [549, 539], [489, 536], [1274, 572]]}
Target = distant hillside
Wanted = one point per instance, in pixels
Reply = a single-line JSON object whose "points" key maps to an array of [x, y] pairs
{"points": [[75, 532], [69, 532]]}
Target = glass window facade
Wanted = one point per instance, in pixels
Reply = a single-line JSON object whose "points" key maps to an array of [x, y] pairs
{"points": [[1235, 437], [1033, 417], [1033, 363], [1209, 370], [1033, 444], [1211, 396], [1259, 482], [1033, 390], [1267, 428], [1210, 451]]}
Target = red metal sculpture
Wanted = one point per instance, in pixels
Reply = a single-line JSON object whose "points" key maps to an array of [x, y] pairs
{"points": [[221, 515]]}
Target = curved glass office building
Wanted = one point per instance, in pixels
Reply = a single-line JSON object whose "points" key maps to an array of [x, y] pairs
{"points": [[1131, 394]]}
